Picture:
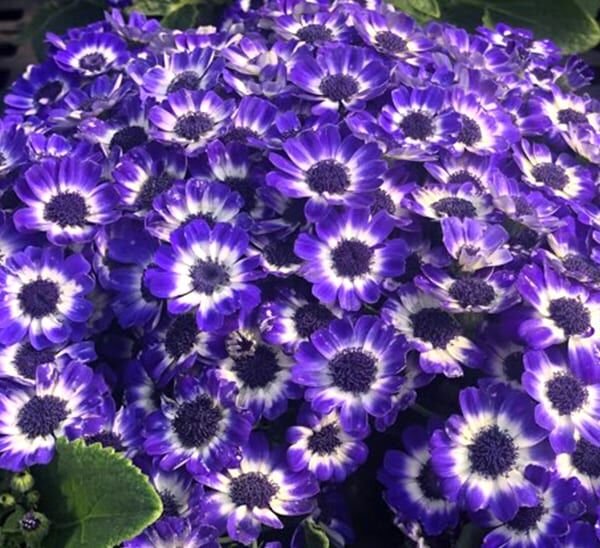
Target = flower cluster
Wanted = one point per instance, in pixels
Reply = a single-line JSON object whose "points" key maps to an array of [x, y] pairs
{"points": [[235, 255]]}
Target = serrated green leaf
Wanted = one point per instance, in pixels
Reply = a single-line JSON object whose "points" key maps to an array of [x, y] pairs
{"points": [[314, 536], [431, 8], [563, 21], [182, 18], [94, 497]]}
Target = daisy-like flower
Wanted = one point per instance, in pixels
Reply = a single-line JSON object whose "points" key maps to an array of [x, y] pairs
{"points": [[567, 406], [318, 443], [191, 119], [327, 169], [350, 256], [562, 108], [194, 71], [560, 176], [61, 403], [252, 122], [474, 244], [13, 152], [394, 34], [544, 523], [504, 363], [137, 29], [65, 200], [420, 121], [434, 332], [413, 489], [562, 312], [338, 77], [261, 373], [315, 28], [43, 297], [292, 318], [179, 532], [41, 147], [480, 456], [144, 174], [200, 428], [490, 291], [243, 499], [92, 54], [204, 269], [195, 199], [353, 367], [463, 201], [19, 362], [582, 463], [466, 168]]}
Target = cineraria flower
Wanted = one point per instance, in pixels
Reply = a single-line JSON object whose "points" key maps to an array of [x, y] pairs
{"points": [[504, 361], [562, 108], [338, 77], [582, 463], [562, 312], [242, 500], [195, 199], [480, 456], [413, 488], [466, 168], [137, 30], [43, 297], [561, 177], [313, 28], [65, 201], [567, 405], [12, 148], [318, 443], [327, 169], [12, 241], [353, 367], [474, 244], [175, 532], [200, 428], [191, 119], [203, 269], [420, 121], [434, 332], [62, 403], [261, 373], [350, 257], [544, 523], [251, 122], [94, 53]]}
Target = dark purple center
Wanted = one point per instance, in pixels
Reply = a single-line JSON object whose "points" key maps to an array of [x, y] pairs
{"points": [[513, 366], [186, 80], [472, 292], [455, 207], [325, 441], [435, 326], [586, 458], [196, 422], [154, 186], [48, 92], [106, 439], [41, 416], [310, 318], [470, 132], [526, 518], [580, 267], [39, 298], [417, 126], [463, 176], [429, 482], [314, 33], [550, 174], [328, 176], [208, 277], [245, 189], [570, 116], [252, 489], [192, 126], [280, 253], [66, 209], [28, 358], [351, 258], [566, 393], [338, 87], [170, 504], [570, 315], [238, 135], [92, 62], [522, 206], [257, 369], [492, 452], [353, 370], [128, 138], [382, 202], [181, 336], [390, 42]]}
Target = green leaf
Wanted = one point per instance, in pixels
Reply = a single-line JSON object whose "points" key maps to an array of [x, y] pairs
{"points": [[590, 6], [182, 18], [314, 536], [563, 21], [151, 7], [430, 8], [11, 525], [94, 497], [463, 16]]}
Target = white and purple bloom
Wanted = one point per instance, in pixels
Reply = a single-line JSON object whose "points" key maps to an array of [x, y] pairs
{"points": [[480, 456], [61, 403], [327, 169], [353, 367], [173, 531], [12, 148], [204, 269], [43, 297], [320, 444], [200, 428], [561, 312], [350, 256], [243, 499], [582, 463], [413, 488], [66, 200]]}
